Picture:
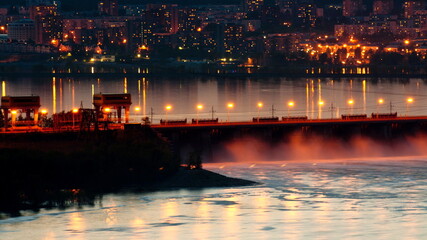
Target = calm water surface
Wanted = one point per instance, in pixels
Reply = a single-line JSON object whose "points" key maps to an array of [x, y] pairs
{"points": [[343, 199], [153, 94]]}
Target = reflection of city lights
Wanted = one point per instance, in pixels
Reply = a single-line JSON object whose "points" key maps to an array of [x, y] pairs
{"points": [[137, 109], [260, 104], [410, 100], [350, 102], [321, 103], [380, 101], [14, 112], [230, 105], [199, 107], [168, 107], [291, 104]]}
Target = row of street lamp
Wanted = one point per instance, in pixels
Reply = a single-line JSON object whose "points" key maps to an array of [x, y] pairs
{"points": [[290, 104], [230, 106]]}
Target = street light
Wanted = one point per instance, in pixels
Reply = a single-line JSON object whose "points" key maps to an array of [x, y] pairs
{"points": [[409, 100], [229, 107], [321, 103], [291, 104], [75, 110], [260, 105], [137, 109], [167, 108], [199, 107], [351, 103], [380, 101], [14, 112]]}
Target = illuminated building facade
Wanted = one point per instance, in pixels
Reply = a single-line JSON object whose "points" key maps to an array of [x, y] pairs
{"points": [[22, 30], [253, 5], [306, 15], [188, 21], [409, 7], [230, 39], [48, 23]]}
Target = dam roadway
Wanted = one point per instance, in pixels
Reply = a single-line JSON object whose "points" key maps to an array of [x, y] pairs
{"points": [[210, 138], [291, 123]]}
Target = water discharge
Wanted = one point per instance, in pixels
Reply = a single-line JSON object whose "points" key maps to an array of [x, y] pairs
{"points": [[298, 147]]}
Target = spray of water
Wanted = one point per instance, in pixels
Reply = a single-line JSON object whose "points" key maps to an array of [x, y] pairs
{"points": [[298, 147]]}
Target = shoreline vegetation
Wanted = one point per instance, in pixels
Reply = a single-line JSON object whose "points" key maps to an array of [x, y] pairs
{"points": [[60, 170]]}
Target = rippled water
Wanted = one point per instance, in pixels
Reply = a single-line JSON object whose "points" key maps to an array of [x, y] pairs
{"points": [[341, 199]]}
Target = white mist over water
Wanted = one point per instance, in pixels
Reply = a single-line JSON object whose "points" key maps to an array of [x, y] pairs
{"points": [[314, 147]]}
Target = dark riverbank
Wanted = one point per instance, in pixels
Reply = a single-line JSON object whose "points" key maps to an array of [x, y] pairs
{"points": [[60, 170], [185, 70], [216, 75], [39, 169], [197, 178]]}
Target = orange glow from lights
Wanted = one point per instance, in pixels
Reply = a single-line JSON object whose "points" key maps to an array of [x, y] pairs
{"points": [[107, 110], [43, 111], [75, 110], [168, 107], [350, 102], [380, 101], [291, 104], [137, 109], [230, 105], [410, 100], [260, 104], [199, 107], [14, 112]]}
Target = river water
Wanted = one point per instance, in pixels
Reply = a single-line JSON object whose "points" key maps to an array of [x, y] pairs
{"points": [[374, 195], [152, 94], [341, 199]]}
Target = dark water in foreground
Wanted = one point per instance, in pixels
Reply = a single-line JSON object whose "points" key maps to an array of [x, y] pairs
{"points": [[382, 198]]}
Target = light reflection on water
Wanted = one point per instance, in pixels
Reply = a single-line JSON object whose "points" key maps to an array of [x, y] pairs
{"points": [[348, 199], [62, 94]]}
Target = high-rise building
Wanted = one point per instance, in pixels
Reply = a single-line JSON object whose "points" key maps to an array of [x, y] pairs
{"points": [[382, 7], [48, 23], [306, 15], [188, 21], [409, 7], [108, 7], [253, 5], [229, 38], [352, 8]]}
